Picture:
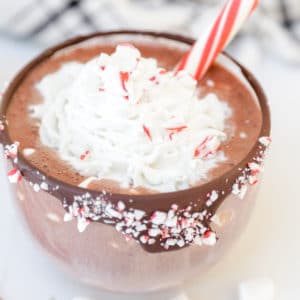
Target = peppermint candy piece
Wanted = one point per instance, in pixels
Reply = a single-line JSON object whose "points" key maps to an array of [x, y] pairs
{"points": [[209, 238], [14, 176], [208, 148], [82, 224], [158, 217], [265, 140], [11, 151]]}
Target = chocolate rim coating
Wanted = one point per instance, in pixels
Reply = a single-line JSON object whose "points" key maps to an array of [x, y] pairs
{"points": [[195, 196]]}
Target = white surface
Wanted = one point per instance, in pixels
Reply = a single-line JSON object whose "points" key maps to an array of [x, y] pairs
{"points": [[257, 289], [270, 246]]}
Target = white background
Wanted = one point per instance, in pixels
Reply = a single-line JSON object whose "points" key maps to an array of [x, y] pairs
{"points": [[270, 247]]}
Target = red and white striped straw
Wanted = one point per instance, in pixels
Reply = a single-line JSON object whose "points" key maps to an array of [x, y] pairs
{"points": [[217, 36]]}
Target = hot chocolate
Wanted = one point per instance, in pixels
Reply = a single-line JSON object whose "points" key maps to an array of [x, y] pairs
{"points": [[127, 234], [240, 129]]}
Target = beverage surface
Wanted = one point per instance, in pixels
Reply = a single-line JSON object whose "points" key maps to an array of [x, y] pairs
{"points": [[241, 126]]}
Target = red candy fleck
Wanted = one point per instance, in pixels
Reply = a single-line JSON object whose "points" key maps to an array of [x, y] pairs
{"points": [[171, 135], [147, 132], [83, 156], [124, 76], [14, 175], [207, 234], [162, 72], [200, 147], [144, 239], [207, 147], [101, 89], [175, 130], [102, 68], [254, 172], [153, 78], [127, 237]]}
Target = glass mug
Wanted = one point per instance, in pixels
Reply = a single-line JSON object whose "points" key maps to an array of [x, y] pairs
{"points": [[101, 256]]}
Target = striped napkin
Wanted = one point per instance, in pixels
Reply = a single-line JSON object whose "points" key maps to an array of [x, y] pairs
{"points": [[277, 22]]}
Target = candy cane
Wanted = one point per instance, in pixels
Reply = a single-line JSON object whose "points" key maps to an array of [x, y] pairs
{"points": [[216, 37]]}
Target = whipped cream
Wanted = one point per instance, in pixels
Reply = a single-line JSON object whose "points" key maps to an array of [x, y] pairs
{"points": [[121, 117]]}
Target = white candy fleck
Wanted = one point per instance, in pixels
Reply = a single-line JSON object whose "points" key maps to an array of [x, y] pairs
{"points": [[151, 241], [138, 214], [180, 243], [154, 232], [86, 182], [243, 192], [121, 206], [209, 239], [28, 151], [44, 186], [158, 217], [82, 224], [243, 135], [112, 212], [198, 241], [68, 217], [53, 217], [265, 140], [36, 187], [171, 242]]}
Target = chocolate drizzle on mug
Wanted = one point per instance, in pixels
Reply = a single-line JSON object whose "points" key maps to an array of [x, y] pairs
{"points": [[159, 222]]}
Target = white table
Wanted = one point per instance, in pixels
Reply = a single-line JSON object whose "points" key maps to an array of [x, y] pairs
{"points": [[269, 248]]}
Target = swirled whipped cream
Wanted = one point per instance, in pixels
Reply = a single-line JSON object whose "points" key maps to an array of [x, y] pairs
{"points": [[123, 118]]}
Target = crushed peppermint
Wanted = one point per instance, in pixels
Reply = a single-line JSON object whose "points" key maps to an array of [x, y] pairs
{"points": [[147, 132], [124, 76], [175, 228], [174, 130], [44, 186], [208, 147], [265, 140], [85, 155], [11, 151], [250, 174], [212, 197], [14, 175]]}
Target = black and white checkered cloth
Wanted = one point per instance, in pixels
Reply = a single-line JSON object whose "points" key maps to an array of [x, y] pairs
{"points": [[277, 22]]}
